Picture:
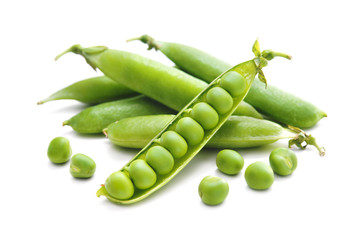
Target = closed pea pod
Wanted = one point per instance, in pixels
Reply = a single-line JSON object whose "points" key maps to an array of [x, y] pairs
{"points": [[92, 91], [247, 69], [237, 132], [94, 119], [167, 85], [274, 102]]}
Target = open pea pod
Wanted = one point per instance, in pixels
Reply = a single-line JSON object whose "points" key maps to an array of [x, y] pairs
{"points": [[184, 136], [204, 115]]}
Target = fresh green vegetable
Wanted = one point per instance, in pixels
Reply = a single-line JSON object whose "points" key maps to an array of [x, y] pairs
{"points": [[229, 161], [142, 175], [82, 166], [59, 150], [119, 186], [92, 91], [237, 132], [281, 106], [160, 160], [181, 152], [283, 161], [167, 85], [259, 176], [213, 190], [94, 119]]}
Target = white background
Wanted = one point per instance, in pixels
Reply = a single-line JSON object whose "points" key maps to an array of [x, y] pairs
{"points": [[41, 200]]}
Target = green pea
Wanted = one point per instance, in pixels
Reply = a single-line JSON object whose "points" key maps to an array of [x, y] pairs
{"points": [[190, 130], [219, 99], [82, 166], [160, 159], [259, 176], [234, 83], [119, 185], [175, 143], [229, 162], [213, 190], [283, 161], [204, 114], [59, 150], [142, 174]]}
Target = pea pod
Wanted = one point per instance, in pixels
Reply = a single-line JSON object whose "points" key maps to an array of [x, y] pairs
{"points": [[237, 132], [108, 62], [92, 91], [167, 85], [278, 104], [94, 119]]}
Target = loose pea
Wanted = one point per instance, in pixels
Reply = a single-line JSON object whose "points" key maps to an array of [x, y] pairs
{"points": [[213, 190], [190, 130], [119, 185], [219, 99], [234, 83], [205, 115], [82, 166], [229, 161], [160, 159], [175, 143], [259, 176], [283, 161], [59, 150], [142, 174]]}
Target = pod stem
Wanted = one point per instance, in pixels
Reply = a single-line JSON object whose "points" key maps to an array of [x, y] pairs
{"points": [[261, 59], [85, 52], [147, 40], [302, 140]]}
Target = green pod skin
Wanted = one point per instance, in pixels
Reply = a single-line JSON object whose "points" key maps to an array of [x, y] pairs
{"points": [[237, 132], [213, 190], [279, 105], [82, 166], [283, 161], [94, 119], [167, 85], [92, 91]]}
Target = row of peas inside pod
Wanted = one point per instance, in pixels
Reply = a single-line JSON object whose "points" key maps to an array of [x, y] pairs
{"points": [[189, 129], [258, 175]]}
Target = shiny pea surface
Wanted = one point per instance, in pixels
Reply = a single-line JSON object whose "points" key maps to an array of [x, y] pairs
{"points": [[219, 99], [59, 150], [160, 159], [213, 190], [82, 166], [119, 185], [234, 83], [283, 161], [204, 114], [142, 174], [259, 176], [175, 143], [190, 130], [229, 162]]}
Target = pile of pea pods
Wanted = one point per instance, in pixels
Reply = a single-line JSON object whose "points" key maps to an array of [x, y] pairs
{"points": [[172, 113]]}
